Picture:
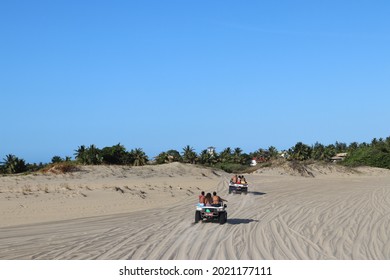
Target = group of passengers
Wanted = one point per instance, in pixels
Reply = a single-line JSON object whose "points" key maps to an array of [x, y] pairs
{"points": [[210, 200], [238, 179]]}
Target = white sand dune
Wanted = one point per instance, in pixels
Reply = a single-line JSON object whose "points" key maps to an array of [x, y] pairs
{"points": [[330, 214]]}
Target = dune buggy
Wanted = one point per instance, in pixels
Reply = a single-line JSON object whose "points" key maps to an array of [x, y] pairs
{"points": [[238, 188], [215, 213]]}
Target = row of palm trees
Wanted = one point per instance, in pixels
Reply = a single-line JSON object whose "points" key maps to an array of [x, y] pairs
{"points": [[118, 154], [321, 152]]}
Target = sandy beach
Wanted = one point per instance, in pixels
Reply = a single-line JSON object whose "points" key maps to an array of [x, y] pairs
{"points": [[117, 212]]}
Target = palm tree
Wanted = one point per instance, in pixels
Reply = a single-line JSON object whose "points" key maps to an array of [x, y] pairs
{"points": [[318, 151], [301, 151], [340, 147], [237, 155], [139, 157], [93, 155], [13, 164], [260, 155], [57, 159], [206, 158], [330, 151], [189, 155], [226, 155], [352, 147], [80, 154], [273, 152]]}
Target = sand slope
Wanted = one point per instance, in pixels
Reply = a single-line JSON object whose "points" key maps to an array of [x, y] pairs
{"points": [[331, 214]]}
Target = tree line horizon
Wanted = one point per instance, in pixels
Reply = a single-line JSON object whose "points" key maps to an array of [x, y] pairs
{"points": [[375, 154]]}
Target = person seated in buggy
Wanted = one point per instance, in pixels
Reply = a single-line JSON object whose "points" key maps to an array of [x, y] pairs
{"points": [[217, 200], [208, 200], [201, 199]]}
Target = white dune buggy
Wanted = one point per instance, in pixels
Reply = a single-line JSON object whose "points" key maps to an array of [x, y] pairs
{"points": [[216, 213], [238, 188]]}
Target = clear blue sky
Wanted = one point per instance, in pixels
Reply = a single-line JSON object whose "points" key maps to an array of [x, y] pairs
{"points": [[161, 75]]}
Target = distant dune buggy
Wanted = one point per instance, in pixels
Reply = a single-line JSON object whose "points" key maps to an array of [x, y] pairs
{"points": [[238, 188], [211, 214]]}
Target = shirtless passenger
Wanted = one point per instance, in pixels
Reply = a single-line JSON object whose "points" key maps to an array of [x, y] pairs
{"points": [[217, 200], [202, 198]]}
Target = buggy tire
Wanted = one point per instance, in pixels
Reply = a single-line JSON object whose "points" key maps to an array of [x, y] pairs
{"points": [[222, 218], [197, 216]]}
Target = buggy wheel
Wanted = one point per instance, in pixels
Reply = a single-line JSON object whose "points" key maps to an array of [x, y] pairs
{"points": [[222, 218], [197, 216]]}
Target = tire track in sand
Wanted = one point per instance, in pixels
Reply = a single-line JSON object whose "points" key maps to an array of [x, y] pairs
{"points": [[304, 220]]}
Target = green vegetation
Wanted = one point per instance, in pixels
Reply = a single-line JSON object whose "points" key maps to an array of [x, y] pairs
{"points": [[232, 167], [376, 154], [60, 167], [12, 164], [189, 155], [116, 155]]}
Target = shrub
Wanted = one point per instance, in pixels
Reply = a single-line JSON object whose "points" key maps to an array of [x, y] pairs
{"points": [[61, 168], [369, 156], [232, 167]]}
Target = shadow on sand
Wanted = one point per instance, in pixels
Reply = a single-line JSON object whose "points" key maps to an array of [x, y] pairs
{"points": [[256, 193], [240, 221]]}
